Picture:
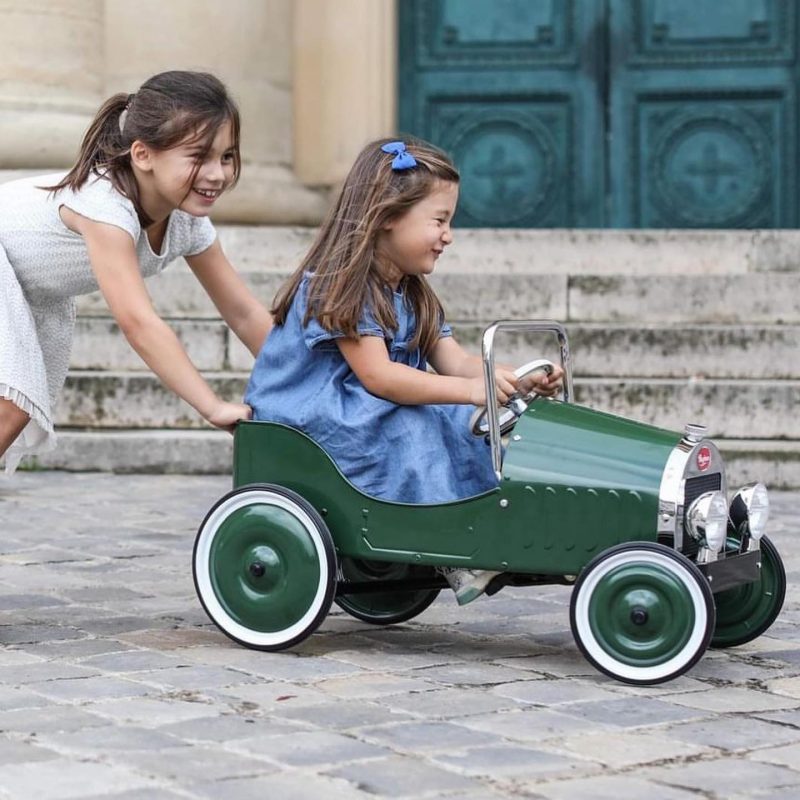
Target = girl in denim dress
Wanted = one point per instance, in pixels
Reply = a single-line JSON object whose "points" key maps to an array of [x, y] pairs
{"points": [[356, 327]]}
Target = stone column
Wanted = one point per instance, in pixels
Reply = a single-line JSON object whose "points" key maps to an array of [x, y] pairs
{"points": [[51, 81], [345, 55], [246, 43]]}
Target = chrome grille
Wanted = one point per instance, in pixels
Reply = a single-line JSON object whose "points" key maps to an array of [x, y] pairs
{"points": [[701, 484], [693, 488]]}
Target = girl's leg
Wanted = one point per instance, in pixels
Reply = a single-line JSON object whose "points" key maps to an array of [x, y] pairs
{"points": [[12, 420]]}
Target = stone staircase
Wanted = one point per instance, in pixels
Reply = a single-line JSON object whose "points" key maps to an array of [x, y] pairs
{"points": [[666, 327]]}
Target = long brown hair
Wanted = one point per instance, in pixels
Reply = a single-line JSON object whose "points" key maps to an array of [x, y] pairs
{"points": [[167, 109], [343, 258]]}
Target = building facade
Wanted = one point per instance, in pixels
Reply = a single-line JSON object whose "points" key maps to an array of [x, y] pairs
{"points": [[314, 79], [581, 113]]}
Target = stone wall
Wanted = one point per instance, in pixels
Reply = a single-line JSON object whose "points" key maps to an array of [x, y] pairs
{"points": [[51, 79], [314, 80]]}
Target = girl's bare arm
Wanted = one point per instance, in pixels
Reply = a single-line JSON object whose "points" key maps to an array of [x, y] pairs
{"points": [[449, 358], [113, 258], [244, 314], [368, 358]]}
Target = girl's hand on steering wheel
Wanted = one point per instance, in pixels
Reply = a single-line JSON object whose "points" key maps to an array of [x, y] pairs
{"points": [[505, 381], [543, 384], [507, 384]]}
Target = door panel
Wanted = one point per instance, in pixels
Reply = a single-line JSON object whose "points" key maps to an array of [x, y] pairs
{"points": [[705, 31], [609, 113], [502, 86], [702, 114]]}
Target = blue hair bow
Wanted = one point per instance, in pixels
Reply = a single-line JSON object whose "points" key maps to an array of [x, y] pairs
{"points": [[402, 158]]}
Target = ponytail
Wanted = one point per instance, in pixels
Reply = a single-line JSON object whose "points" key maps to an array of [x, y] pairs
{"points": [[101, 147], [106, 150]]}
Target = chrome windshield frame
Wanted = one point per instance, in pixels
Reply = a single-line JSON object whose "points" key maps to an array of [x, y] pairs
{"points": [[518, 326]]}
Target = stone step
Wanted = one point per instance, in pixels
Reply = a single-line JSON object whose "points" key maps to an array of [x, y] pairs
{"points": [[98, 344], [194, 452], [730, 408], [110, 399], [177, 293], [746, 298], [665, 326], [777, 464], [560, 251], [603, 350], [658, 351]]}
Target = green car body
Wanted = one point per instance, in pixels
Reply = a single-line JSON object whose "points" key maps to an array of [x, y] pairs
{"points": [[536, 521], [635, 518]]}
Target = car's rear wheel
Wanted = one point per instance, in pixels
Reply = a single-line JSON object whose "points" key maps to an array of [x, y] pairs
{"points": [[384, 607], [746, 611], [264, 567], [642, 613]]}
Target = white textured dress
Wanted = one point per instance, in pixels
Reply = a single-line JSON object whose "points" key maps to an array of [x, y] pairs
{"points": [[43, 267]]}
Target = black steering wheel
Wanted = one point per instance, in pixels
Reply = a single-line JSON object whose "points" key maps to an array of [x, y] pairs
{"points": [[516, 405]]}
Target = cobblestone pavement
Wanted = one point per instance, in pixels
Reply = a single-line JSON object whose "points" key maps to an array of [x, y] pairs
{"points": [[113, 683]]}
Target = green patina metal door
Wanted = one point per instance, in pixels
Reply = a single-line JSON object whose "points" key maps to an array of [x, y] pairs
{"points": [[703, 113], [609, 113], [511, 89]]}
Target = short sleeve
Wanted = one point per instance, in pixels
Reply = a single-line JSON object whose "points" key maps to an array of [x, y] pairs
{"points": [[445, 330], [315, 336], [99, 201], [202, 235]]}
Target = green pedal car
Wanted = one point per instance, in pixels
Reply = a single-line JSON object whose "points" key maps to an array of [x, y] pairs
{"points": [[636, 519]]}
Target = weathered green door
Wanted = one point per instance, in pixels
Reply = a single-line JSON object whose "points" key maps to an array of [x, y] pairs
{"points": [[510, 89], [617, 113], [703, 113]]}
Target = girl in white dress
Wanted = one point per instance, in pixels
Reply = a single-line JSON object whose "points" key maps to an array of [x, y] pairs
{"points": [[149, 171]]}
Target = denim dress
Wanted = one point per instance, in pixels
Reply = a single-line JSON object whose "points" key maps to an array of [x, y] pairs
{"points": [[404, 453]]}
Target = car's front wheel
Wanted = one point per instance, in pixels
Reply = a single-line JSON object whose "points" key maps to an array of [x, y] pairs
{"points": [[642, 613]]}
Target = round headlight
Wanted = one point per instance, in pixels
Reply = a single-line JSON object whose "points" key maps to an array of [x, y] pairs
{"points": [[751, 504], [707, 520]]}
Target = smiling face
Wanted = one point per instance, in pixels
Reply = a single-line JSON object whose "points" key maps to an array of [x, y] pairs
{"points": [[411, 244], [173, 178]]}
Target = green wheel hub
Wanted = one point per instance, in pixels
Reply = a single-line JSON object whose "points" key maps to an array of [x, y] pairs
{"points": [[264, 568], [642, 614], [746, 611]]}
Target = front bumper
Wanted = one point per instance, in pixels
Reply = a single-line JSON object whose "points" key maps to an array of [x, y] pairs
{"points": [[733, 570]]}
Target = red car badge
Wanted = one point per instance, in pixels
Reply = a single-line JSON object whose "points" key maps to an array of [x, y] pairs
{"points": [[703, 459]]}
